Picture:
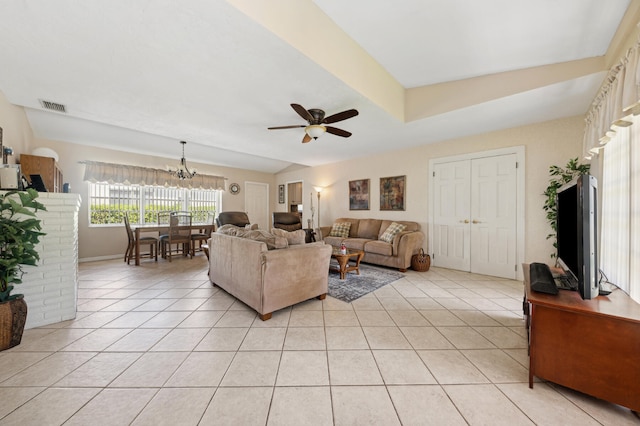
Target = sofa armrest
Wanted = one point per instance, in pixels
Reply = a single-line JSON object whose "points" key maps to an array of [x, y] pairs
{"points": [[324, 231], [407, 242], [294, 274]]}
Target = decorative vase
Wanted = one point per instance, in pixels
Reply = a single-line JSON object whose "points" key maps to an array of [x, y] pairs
{"points": [[13, 316]]}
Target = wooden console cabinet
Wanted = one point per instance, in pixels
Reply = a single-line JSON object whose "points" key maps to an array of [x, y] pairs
{"points": [[46, 167], [592, 346]]}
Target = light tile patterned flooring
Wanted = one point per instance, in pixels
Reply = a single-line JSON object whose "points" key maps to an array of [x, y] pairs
{"points": [[157, 344]]}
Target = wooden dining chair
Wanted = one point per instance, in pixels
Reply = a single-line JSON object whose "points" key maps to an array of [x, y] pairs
{"points": [[203, 234], [179, 233], [130, 253]]}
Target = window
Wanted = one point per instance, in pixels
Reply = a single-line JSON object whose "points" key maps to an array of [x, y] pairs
{"points": [[108, 203]]}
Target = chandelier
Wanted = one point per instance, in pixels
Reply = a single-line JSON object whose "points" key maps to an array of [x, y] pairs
{"points": [[182, 172]]}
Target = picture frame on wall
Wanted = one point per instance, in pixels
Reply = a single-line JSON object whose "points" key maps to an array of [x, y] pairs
{"points": [[392, 193], [280, 194], [359, 194]]}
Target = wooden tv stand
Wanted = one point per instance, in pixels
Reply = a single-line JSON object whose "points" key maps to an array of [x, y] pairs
{"points": [[592, 346]]}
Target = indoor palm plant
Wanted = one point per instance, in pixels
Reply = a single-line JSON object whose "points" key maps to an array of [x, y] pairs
{"points": [[559, 177], [19, 234]]}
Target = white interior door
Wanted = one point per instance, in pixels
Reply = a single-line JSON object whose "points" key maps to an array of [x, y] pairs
{"points": [[256, 202], [493, 216], [474, 215], [451, 226]]}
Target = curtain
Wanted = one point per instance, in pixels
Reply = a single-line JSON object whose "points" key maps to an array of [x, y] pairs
{"points": [[133, 175], [614, 184], [617, 100], [620, 228]]}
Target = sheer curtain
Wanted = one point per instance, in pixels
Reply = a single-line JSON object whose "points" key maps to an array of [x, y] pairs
{"points": [[615, 214], [612, 129], [620, 214]]}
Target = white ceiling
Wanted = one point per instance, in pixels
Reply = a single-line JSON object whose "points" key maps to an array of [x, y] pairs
{"points": [[139, 76]]}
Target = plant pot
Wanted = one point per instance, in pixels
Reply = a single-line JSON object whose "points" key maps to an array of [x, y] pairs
{"points": [[13, 316]]}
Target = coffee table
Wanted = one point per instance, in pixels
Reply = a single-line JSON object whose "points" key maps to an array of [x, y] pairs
{"points": [[343, 261]]}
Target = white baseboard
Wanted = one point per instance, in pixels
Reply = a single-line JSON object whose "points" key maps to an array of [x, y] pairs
{"points": [[94, 259]]}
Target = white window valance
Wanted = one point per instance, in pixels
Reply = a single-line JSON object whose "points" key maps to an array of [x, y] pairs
{"points": [[617, 100], [96, 171]]}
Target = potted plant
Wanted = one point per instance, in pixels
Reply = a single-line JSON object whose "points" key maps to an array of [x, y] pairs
{"points": [[559, 177], [19, 234]]}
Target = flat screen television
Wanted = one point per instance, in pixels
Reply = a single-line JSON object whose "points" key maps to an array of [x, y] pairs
{"points": [[577, 233]]}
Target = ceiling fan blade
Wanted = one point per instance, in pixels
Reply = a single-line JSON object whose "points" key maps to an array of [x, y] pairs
{"points": [[286, 127], [340, 116], [338, 132], [302, 112], [306, 138]]}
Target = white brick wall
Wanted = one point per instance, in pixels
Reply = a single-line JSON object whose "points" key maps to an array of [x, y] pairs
{"points": [[51, 288]]}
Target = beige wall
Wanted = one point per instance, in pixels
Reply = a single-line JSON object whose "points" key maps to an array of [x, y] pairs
{"points": [[100, 242], [16, 130], [548, 143]]}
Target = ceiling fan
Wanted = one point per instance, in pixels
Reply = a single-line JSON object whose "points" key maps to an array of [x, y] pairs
{"points": [[316, 119]]}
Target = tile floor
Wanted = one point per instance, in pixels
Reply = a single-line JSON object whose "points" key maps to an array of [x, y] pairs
{"points": [[157, 344]]}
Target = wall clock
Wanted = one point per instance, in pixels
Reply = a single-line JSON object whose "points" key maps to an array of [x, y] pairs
{"points": [[234, 188]]}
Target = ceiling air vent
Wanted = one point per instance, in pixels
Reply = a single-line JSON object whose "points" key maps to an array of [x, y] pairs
{"points": [[53, 106]]}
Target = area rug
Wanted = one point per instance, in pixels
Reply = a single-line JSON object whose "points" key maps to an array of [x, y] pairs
{"points": [[355, 286]]}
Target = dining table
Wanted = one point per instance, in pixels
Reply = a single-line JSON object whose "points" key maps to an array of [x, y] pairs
{"points": [[203, 228]]}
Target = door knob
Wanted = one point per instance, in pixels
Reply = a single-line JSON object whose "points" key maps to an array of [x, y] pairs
{"points": [[476, 221], [464, 221]]}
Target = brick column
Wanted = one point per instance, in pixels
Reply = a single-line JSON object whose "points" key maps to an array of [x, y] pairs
{"points": [[51, 288]]}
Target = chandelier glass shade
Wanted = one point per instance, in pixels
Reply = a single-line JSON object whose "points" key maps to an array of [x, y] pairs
{"points": [[182, 172]]}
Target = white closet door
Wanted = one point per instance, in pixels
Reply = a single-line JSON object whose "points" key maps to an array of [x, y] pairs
{"points": [[493, 216], [451, 225], [475, 215]]}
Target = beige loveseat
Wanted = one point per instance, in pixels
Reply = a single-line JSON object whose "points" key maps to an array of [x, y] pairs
{"points": [[268, 280], [365, 235]]}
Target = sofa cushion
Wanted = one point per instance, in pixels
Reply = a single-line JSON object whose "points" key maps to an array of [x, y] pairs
{"points": [[392, 230], [356, 243], [340, 229], [379, 247], [333, 241], [369, 228], [293, 237]]}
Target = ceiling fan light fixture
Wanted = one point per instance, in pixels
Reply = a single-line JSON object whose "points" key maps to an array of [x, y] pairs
{"points": [[315, 130]]}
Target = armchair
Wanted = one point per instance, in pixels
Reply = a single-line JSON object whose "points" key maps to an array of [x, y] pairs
{"points": [[287, 221], [233, 218]]}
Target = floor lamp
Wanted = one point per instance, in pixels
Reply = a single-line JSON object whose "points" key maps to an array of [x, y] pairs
{"points": [[318, 190]]}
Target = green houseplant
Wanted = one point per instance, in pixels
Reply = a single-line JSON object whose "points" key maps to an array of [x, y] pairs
{"points": [[559, 177], [19, 234]]}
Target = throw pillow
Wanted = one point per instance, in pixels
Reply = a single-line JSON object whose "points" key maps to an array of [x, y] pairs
{"points": [[293, 237], [251, 226], [340, 230], [229, 230], [272, 241], [390, 233]]}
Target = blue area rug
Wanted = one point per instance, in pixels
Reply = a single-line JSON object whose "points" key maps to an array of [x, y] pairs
{"points": [[355, 286]]}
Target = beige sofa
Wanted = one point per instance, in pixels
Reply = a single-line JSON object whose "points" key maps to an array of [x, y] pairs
{"points": [[268, 280], [365, 234]]}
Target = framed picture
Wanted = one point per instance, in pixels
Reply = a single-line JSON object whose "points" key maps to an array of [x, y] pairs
{"points": [[359, 194], [392, 190], [281, 194]]}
